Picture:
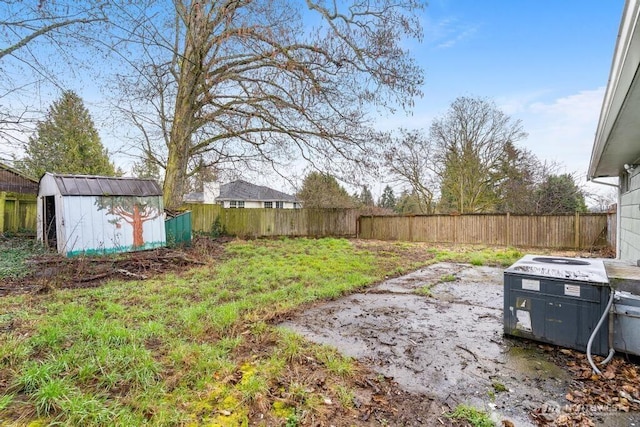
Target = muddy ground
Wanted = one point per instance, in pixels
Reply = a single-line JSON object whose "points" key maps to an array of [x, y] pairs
{"points": [[53, 271], [449, 346], [430, 352]]}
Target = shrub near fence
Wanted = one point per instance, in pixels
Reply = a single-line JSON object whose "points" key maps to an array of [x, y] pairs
{"points": [[579, 231], [274, 222]]}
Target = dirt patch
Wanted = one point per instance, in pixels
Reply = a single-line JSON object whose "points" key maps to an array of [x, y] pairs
{"points": [[54, 271], [449, 348]]}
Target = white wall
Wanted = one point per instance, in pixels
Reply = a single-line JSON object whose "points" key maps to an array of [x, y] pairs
{"points": [[90, 230], [630, 219]]}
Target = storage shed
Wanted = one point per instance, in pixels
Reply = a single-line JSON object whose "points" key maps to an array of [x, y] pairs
{"points": [[84, 215]]}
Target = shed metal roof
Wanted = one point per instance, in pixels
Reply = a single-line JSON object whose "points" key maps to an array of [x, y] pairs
{"points": [[243, 190], [87, 185]]}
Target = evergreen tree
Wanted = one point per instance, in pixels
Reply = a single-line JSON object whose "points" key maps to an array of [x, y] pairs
{"points": [[470, 142], [559, 194], [388, 199], [408, 203], [146, 168], [67, 142], [516, 180], [366, 198], [322, 190]]}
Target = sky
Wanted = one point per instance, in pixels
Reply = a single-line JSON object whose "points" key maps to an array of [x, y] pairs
{"points": [[545, 63]]}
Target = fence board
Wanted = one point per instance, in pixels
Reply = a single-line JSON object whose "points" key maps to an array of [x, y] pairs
{"points": [[18, 212], [548, 231], [275, 222], [545, 231]]}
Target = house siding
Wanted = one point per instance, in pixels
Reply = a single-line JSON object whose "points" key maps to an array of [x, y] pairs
{"points": [[252, 204], [630, 220]]}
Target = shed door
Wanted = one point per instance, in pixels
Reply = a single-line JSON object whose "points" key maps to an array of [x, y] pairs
{"points": [[50, 221]]}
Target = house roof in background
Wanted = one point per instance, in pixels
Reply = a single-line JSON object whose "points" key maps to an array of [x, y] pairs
{"points": [[13, 180], [88, 185], [243, 190]]}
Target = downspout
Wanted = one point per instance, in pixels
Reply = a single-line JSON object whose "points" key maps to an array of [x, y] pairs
{"points": [[618, 211], [607, 310]]}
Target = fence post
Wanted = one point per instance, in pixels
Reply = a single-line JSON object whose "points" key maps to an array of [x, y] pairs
{"points": [[577, 231], [411, 228], [455, 228], [3, 196], [508, 227]]}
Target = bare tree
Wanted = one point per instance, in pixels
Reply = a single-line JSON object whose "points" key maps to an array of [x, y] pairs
{"points": [[470, 142], [410, 161], [243, 81], [35, 38]]}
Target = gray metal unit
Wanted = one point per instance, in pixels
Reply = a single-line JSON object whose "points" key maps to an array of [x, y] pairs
{"points": [[626, 323], [557, 300]]}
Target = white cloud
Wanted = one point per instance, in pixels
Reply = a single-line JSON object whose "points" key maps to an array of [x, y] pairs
{"points": [[563, 129], [448, 32], [519, 102]]}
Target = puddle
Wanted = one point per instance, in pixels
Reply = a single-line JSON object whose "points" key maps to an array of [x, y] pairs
{"points": [[449, 345]]}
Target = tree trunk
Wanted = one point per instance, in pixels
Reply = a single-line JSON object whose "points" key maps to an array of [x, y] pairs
{"points": [[175, 175], [138, 240], [188, 90]]}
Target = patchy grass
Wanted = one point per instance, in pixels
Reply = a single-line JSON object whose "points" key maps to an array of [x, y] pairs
{"points": [[474, 417], [195, 348], [198, 347], [448, 278], [14, 253], [477, 256], [424, 290]]}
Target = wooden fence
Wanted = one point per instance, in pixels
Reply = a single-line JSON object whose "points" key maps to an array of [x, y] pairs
{"points": [[579, 231], [17, 212], [275, 222]]}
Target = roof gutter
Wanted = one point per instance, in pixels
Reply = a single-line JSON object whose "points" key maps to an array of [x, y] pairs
{"points": [[623, 69], [603, 183]]}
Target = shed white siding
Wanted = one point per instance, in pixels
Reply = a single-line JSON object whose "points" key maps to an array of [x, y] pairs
{"points": [[93, 231], [101, 224], [630, 218]]}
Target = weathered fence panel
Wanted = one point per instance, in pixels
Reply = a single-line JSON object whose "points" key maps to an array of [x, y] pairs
{"points": [[581, 231], [203, 216], [275, 222], [17, 212]]}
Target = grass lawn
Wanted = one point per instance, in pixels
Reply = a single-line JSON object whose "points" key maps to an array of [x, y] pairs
{"points": [[198, 347]]}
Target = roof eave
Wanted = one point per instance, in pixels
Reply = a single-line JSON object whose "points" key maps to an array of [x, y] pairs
{"points": [[610, 153]]}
